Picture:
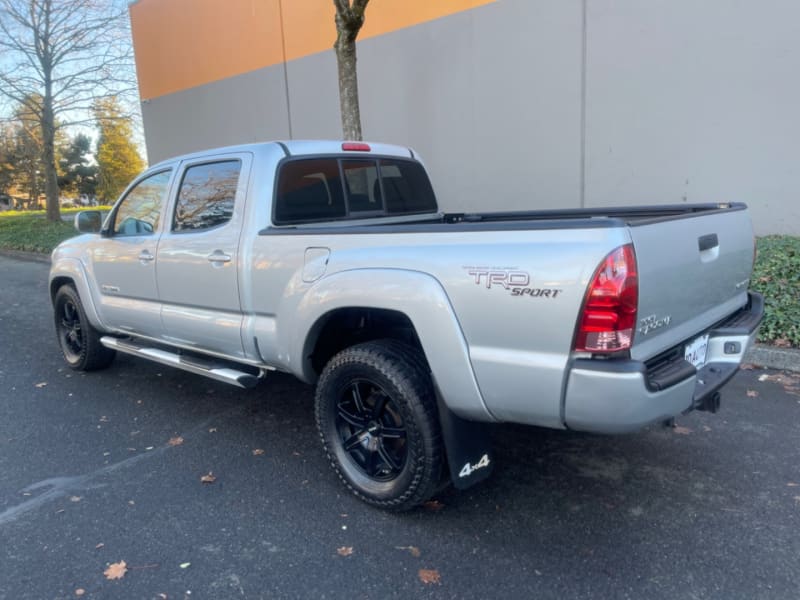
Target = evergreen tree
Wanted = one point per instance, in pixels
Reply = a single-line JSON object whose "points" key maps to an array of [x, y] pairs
{"points": [[77, 175], [117, 158]]}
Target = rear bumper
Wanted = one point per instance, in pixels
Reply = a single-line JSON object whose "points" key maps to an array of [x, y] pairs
{"points": [[617, 396]]}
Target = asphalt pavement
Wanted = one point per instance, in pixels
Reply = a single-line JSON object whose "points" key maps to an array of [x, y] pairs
{"points": [[106, 467]]}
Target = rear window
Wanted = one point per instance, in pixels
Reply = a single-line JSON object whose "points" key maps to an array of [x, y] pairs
{"points": [[325, 189]]}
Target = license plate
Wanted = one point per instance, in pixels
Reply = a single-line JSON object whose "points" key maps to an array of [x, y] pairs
{"points": [[695, 352]]}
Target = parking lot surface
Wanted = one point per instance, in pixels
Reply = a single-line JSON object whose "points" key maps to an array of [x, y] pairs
{"points": [[106, 467]]}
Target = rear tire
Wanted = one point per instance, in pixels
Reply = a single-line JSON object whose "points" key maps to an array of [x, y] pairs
{"points": [[79, 341], [377, 418]]}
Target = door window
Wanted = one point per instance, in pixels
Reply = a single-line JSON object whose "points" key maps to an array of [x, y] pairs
{"points": [[139, 212], [206, 196]]}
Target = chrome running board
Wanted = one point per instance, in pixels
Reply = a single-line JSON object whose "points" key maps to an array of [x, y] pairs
{"points": [[198, 365]]}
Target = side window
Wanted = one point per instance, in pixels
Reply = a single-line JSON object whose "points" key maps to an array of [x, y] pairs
{"points": [[206, 196], [140, 211], [309, 190]]}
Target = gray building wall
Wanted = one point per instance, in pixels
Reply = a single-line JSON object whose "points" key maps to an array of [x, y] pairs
{"points": [[526, 104]]}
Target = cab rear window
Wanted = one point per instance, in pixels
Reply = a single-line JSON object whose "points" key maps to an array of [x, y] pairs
{"points": [[325, 189]]}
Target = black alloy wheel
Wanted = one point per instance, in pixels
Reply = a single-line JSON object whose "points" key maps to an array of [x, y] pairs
{"points": [[79, 341], [371, 430], [377, 418]]}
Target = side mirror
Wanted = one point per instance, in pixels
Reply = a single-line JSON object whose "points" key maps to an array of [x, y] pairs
{"points": [[89, 221]]}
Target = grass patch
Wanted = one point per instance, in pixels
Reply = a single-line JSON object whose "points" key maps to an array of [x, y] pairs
{"points": [[777, 276], [32, 232]]}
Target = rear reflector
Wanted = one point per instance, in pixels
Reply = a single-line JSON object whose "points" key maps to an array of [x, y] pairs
{"points": [[608, 319], [355, 147]]}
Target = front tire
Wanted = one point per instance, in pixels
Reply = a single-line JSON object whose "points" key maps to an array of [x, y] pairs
{"points": [[79, 341], [376, 415]]}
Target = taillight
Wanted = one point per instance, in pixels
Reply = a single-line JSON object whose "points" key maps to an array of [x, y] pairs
{"points": [[608, 319]]}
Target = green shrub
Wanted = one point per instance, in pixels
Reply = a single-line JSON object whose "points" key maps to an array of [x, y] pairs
{"points": [[32, 232], [777, 276]]}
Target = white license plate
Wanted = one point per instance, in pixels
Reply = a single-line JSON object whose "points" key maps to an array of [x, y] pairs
{"points": [[695, 352]]}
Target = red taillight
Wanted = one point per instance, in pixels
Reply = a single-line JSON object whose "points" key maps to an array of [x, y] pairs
{"points": [[608, 319], [355, 147]]}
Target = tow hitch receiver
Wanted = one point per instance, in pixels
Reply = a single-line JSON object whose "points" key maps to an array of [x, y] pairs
{"points": [[710, 403]]}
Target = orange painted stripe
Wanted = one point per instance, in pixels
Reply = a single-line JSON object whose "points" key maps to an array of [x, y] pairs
{"points": [[181, 44]]}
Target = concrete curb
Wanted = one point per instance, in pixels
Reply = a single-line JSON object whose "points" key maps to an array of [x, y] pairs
{"points": [[29, 256], [770, 357]]}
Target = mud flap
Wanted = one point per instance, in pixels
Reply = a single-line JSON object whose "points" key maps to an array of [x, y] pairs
{"points": [[468, 446]]}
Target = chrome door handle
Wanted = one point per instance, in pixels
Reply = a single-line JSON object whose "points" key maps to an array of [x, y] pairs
{"points": [[145, 256], [219, 257]]}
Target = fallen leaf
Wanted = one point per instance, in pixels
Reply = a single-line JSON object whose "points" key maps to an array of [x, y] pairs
{"points": [[413, 550], [752, 394], [208, 478], [100, 545], [212, 430], [344, 551], [60, 510], [104, 419], [185, 565], [747, 366], [429, 576], [433, 505], [116, 570], [258, 452], [162, 596], [790, 484], [706, 428], [75, 498], [681, 430], [41, 385], [782, 343], [175, 441], [80, 592], [763, 377]]}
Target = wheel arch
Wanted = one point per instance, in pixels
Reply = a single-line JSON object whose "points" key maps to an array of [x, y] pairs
{"points": [[400, 304], [343, 327], [71, 272]]}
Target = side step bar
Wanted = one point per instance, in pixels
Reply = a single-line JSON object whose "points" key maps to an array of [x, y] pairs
{"points": [[193, 364]]}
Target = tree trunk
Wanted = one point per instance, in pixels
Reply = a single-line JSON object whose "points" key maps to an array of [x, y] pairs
{"points": [[349, 20], [49, 158], [51, 176]]}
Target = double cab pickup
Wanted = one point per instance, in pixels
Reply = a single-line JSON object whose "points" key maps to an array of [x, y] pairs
{"points": [[332, 261]]}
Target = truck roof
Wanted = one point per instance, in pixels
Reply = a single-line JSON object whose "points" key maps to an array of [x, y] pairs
{"points": [[303, 148]]}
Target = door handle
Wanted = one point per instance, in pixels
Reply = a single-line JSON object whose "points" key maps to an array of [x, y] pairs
{"points": [[219, 257], [145, 256]]}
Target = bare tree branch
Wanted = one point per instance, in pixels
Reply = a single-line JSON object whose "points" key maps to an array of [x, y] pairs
{"points": [[60, 56]]}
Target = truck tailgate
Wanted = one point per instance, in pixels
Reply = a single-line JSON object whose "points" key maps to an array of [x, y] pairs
{"points": [[693, 271]]}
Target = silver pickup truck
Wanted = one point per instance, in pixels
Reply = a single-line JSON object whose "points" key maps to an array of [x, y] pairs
{"points": [[331, 261]]}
